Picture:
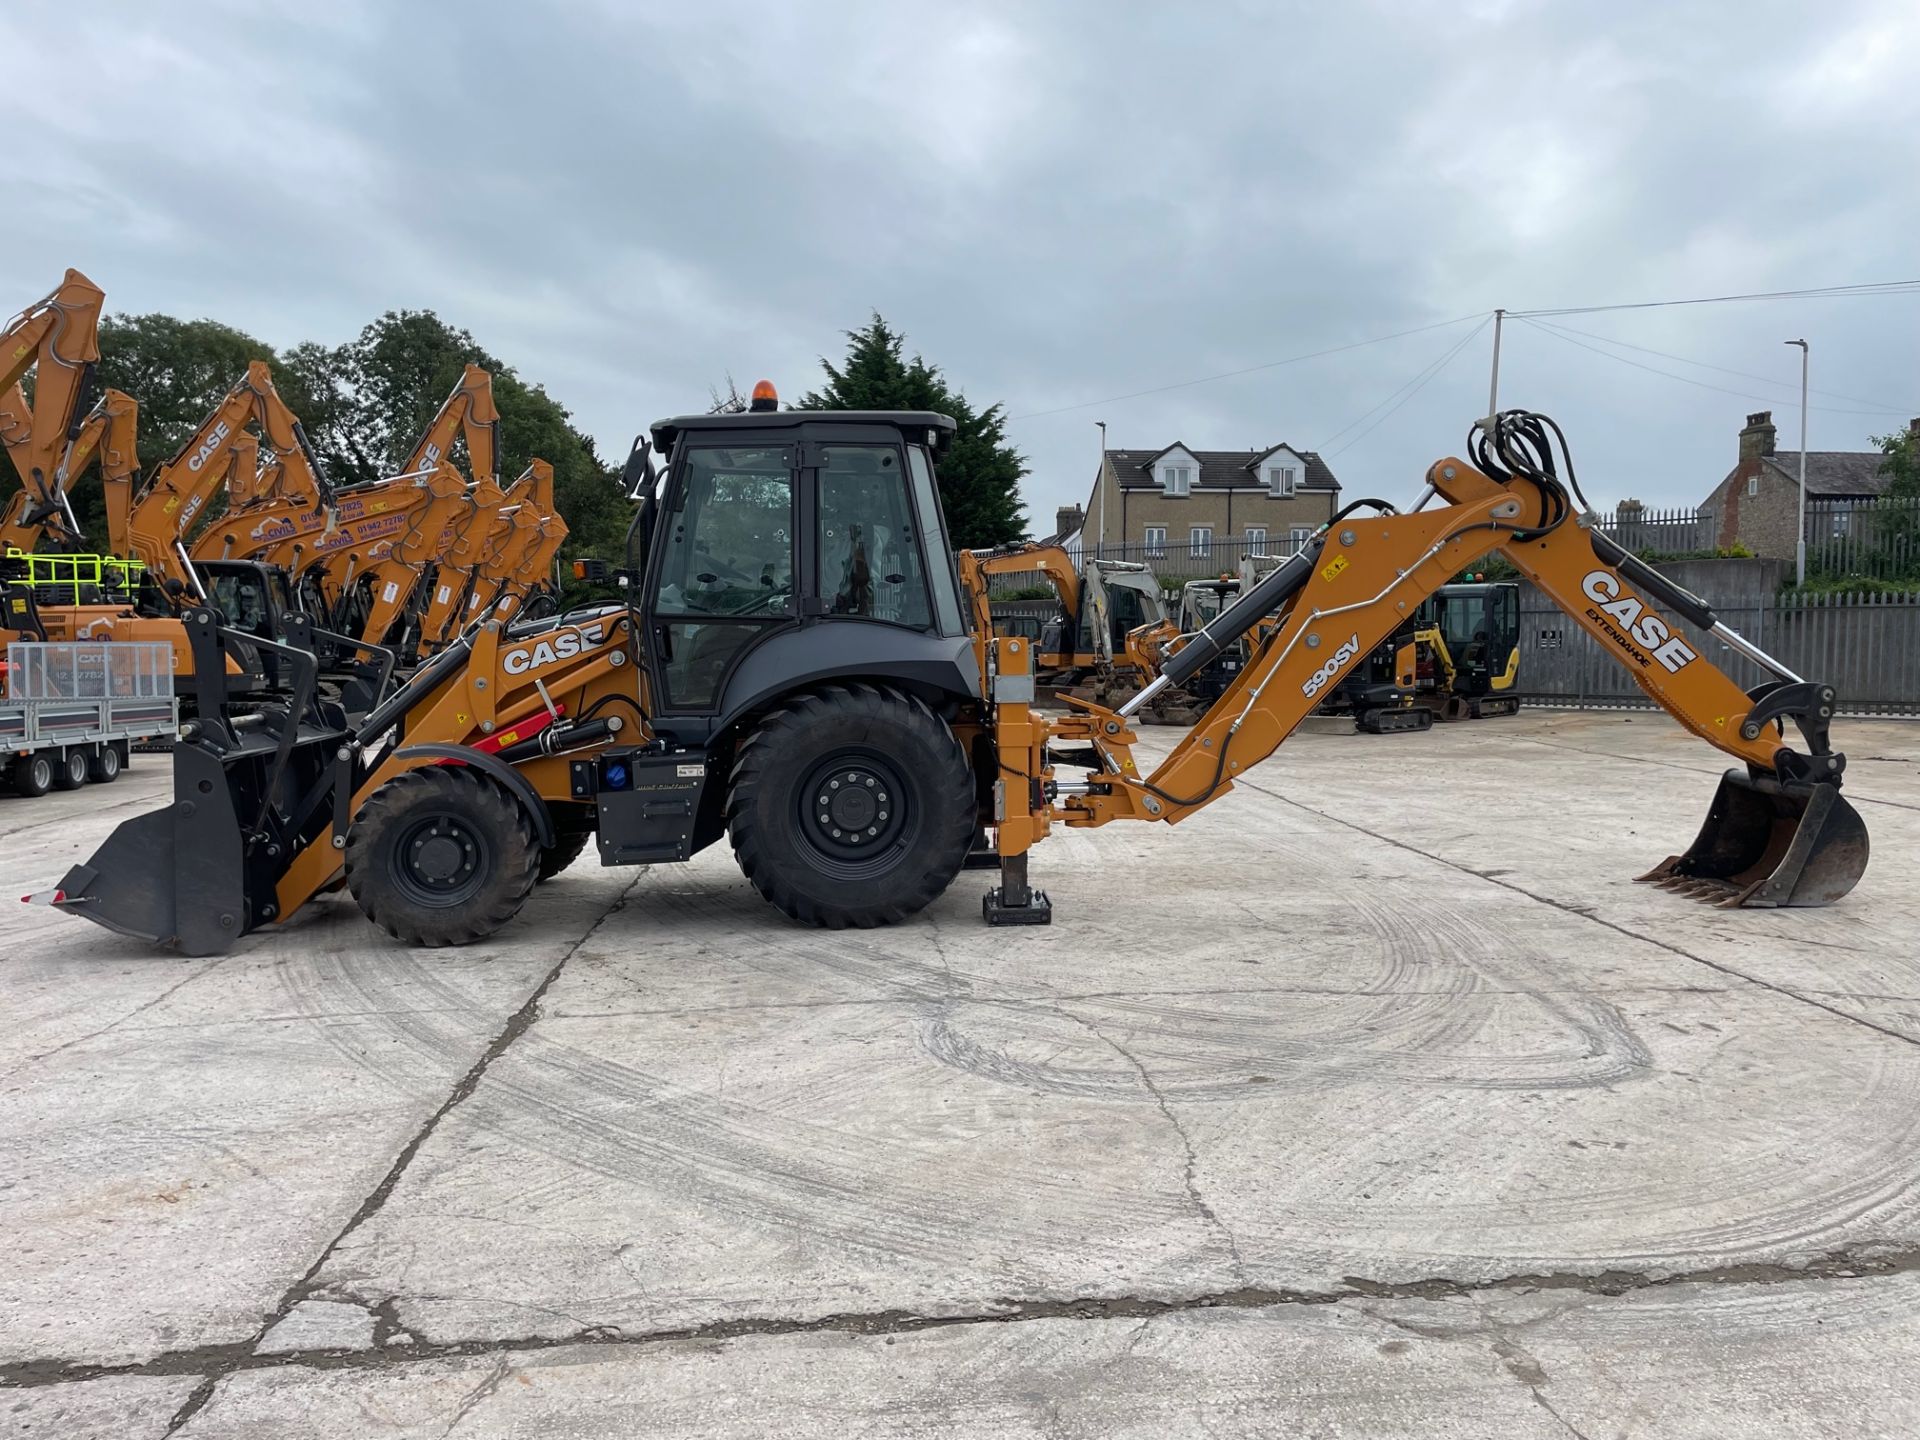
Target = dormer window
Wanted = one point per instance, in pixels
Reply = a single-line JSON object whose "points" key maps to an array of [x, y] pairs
{"points": [[1280, 479], [1176, 480]]}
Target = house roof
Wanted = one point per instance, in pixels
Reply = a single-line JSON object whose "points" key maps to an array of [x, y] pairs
{"points": [[1835, 472], [1221, 469]]}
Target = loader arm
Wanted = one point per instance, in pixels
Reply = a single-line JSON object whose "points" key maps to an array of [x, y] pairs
{"points": [[58, 338]]}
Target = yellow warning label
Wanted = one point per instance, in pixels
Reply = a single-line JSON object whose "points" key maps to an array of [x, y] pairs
{"points": [[1333, 567]]}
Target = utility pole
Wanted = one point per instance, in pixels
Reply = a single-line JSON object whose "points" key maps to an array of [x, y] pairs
{"points": [[1100, 485], [1493, 386], [1800, 534]]}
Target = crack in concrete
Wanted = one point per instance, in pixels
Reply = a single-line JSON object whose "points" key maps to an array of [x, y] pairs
{"points": [[1204, 1210], [221, 1360], [1867, 1260], [1586, 913], [165, 995]]}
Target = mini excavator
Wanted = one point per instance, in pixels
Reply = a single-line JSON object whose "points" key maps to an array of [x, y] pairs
{"points": [[794, 670]]}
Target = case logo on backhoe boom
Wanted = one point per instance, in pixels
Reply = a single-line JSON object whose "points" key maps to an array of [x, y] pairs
{"points": [[1637, 624], [1317, 681], [209, 447], [550, 651]]}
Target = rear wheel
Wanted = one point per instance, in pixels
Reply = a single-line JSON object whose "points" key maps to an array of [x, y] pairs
{"points": [[104, 768], [851, 806], [441, 856], [33, 775], [563, 852], [70, 770]]}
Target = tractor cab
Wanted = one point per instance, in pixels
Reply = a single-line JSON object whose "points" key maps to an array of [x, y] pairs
{"points": [[773, 535]]}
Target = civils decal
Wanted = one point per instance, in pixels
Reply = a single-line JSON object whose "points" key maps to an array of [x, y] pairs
{"points": [[554, 648], [1638, 626], [1319, 678]]}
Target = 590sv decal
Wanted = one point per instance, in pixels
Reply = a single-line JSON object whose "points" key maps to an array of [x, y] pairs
{"points": [[1317, 681], [1637, 626]]}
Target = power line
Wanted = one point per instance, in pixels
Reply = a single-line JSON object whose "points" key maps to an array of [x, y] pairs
{"points": [[1402, 394], [1567, 339], [1883, 287], [1743, 374], [1250, 369]]}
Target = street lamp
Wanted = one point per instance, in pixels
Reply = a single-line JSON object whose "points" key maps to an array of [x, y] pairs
{"points": [[1100, 487], [1800, 534]]}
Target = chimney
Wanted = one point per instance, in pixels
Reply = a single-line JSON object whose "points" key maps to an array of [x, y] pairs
{"points": [[1067, 519], [1913, 427], [1757, 439]]}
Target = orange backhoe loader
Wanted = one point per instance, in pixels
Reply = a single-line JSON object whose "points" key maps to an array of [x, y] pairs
{"points": [[473, 539], [58, 339], [519, 534], [793, 669]]}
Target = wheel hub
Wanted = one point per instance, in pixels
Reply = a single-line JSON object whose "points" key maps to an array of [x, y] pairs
{"points": [[441, 856], [855, 806]]}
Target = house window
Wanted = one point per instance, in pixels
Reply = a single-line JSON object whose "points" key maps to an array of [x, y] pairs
{"points": [[1177, 480], [1200, 540], [1842, 524], [1256, 539], [1280, 481], [1156, 538], [1297, 537], [1753, 484]]}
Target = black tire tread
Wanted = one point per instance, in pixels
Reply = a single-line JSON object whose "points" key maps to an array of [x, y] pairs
{"points": [[489, 911], [769, 753], [563, 852]]}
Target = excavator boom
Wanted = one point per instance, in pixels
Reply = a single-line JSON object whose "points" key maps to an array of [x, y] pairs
{"points": [[58, 338]]}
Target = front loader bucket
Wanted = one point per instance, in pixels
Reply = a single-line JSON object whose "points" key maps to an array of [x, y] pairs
{"points": [[173, 876], [1770, 844]]}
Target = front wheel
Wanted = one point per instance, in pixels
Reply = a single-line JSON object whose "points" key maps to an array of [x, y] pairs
{"points": [[441, 856], [851, 805]]}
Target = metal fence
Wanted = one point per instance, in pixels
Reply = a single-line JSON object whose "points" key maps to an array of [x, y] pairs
{"points": [[1867, 646], [1659, 532], [1864, 540]]}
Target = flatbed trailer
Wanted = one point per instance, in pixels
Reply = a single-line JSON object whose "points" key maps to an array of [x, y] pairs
{"points": [[72, 713]]}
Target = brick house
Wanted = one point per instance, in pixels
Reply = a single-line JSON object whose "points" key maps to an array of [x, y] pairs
{"points": [[1178, 500], [1758, 504]]}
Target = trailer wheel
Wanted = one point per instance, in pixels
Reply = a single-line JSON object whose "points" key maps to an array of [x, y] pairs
{"points": [[851, 806], [441, 856], [563, 852], [70, 770], [33, 775], [104, 767]]}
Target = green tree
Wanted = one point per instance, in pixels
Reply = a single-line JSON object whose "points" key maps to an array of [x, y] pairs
{"points": [[979, 475], [372, 396], [1902, 464]]}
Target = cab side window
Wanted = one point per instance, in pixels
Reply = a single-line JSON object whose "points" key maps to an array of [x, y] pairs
{"points": [[870, 555]]}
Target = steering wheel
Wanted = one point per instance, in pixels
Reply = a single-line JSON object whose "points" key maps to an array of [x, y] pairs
{"points": [[774, 592]]}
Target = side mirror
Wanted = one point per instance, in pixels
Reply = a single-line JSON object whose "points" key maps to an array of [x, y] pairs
{"points": [[637, 477]]}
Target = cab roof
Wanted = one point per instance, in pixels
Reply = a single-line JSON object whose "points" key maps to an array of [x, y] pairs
{"points": [[667, 432]]}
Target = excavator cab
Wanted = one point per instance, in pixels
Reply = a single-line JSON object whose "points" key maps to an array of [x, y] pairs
{"points": [[1478, 626]]}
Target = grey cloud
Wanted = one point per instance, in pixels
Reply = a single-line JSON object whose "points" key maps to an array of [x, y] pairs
{"points": [[1057, 202]]}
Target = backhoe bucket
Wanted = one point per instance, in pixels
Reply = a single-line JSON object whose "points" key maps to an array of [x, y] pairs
{"points": [[1769, 844], [174, 876]]}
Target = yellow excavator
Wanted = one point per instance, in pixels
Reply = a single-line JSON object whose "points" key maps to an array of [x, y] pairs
{"points": [[793, 669], [58, 339]]}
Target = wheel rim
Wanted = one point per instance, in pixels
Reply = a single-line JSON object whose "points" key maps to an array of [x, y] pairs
{"points": [[42, 772], [855, 814], [441, 861], [76, 767], [109, 762]]}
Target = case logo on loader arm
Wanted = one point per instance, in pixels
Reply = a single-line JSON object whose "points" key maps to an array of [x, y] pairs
{"points": [[553, 649], [1610, 599], [1317, 681]]}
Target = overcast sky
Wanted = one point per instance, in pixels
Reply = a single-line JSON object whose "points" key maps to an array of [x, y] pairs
{"points": [[1058, 203]]}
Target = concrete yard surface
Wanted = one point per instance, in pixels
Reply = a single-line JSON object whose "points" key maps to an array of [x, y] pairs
{"points": [[1375, 1099]]}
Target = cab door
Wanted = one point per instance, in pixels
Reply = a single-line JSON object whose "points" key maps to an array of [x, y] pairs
{"points": [[724, 566]]}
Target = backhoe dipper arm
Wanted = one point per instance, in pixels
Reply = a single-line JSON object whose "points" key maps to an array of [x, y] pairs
{"points": [[58, 338], [468, 410], [1778, 833]]}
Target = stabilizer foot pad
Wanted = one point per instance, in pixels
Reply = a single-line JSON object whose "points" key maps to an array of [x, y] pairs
{"points": [[1039, 911]]}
